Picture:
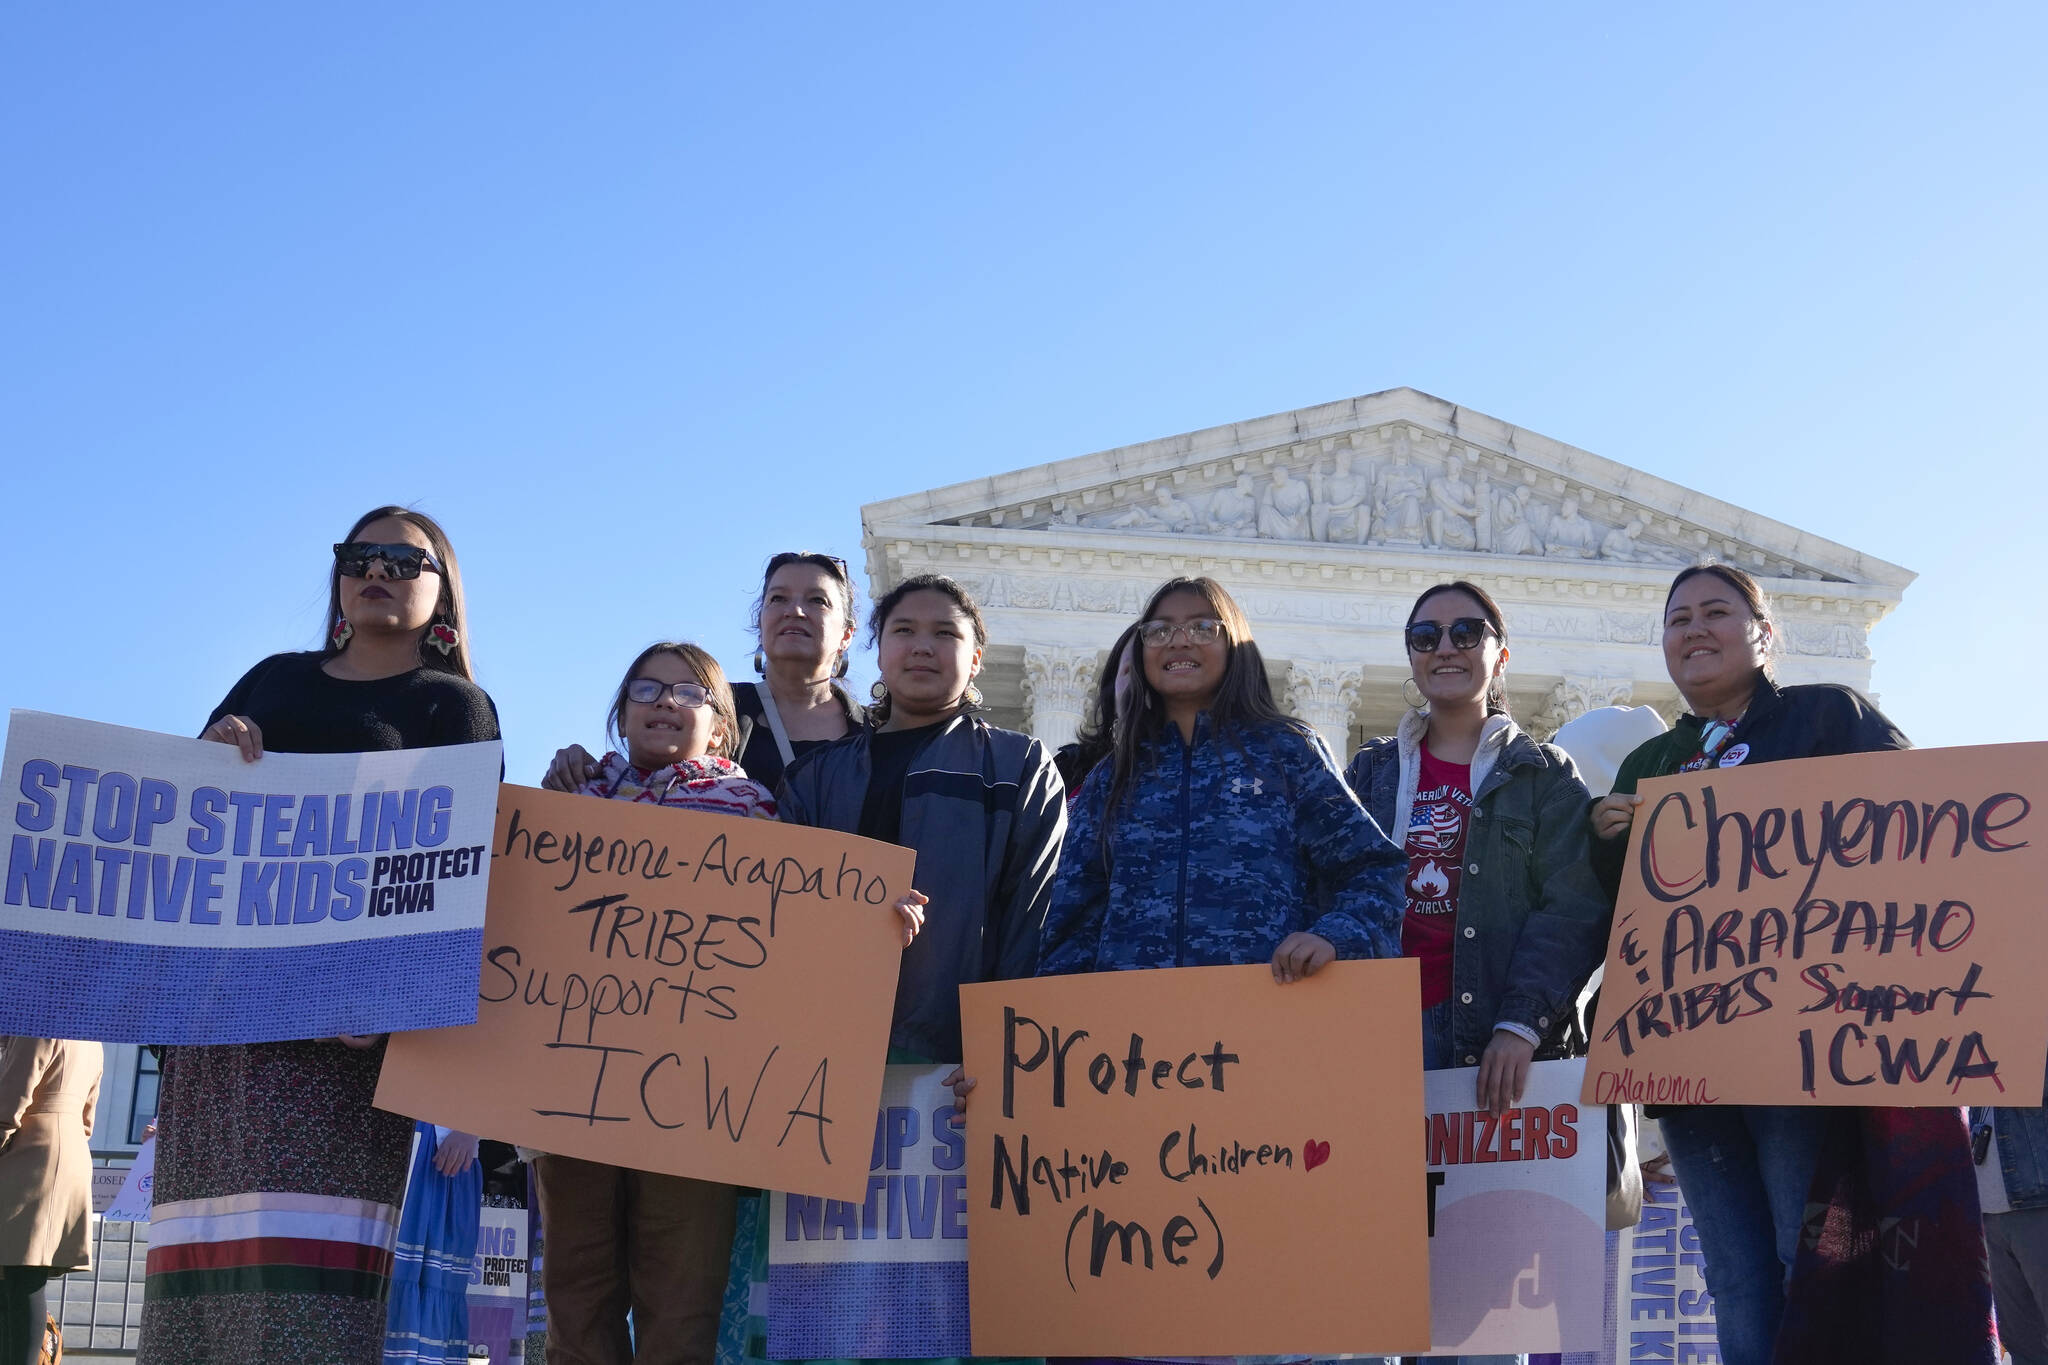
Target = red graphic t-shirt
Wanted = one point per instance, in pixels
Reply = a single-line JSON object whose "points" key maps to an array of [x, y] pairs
{"points": [[1436, 860]]}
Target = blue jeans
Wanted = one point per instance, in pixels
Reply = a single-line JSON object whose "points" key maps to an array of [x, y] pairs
{"points": [[1745, 1172]]}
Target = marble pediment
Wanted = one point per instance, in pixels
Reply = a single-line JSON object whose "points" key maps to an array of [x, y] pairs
{"points": [[1394, 473]]}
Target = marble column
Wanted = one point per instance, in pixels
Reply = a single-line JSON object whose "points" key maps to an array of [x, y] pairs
{"points": [[1574, 696], [1058, 681], [1324, 692]]}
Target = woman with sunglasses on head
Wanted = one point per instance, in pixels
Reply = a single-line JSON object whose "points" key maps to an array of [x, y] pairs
{"points": [[265, 1147], [804, 622], [982, 807], [1756, 1175], [623, 1241], [1219, 824]]}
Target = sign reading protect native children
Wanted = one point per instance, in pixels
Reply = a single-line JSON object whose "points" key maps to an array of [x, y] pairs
{"points": [[672, 991], [1865, 929], [1197, 1161]]}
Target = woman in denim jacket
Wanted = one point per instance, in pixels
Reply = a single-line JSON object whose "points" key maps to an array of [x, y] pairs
{"points": [[1502, 906], [1503, 910]]}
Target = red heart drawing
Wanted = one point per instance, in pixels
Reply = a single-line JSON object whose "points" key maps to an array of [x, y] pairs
{"points": [[1314, 1154]]}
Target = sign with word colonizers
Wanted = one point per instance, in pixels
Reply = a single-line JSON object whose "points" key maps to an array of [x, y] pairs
{"points": [[673, 991], [161, 890], [1864, 929], [1197, 1161]]}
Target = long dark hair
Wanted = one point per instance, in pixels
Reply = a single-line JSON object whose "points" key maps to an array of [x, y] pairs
{"points": [[447, 612], [1496, 686], [709, 676], [834, 569], [878, 713], [1244, 699], [1097, 735]]}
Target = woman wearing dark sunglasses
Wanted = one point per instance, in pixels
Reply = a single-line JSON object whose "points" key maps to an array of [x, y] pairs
{"points": [[1218, 829], [1503, 911], [261, 1146]]}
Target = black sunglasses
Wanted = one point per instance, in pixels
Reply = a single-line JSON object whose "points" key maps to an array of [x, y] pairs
{"points": [[832, 563], [1466, 633], [353, 558]]}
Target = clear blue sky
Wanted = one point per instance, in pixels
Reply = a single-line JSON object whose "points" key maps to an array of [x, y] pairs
{"points": [[630, 295]]}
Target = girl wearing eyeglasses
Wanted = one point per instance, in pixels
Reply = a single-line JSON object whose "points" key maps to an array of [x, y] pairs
{"points": [[622, 1240], [1503, 912], [1219, 824], [263, 1145], [1756, 1176]]}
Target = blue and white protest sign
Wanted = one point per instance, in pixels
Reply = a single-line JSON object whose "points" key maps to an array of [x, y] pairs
{"points": [[886, 1278], [161, 890]]}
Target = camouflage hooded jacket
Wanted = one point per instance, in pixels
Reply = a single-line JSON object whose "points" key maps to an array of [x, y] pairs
{"points": [[1219, 850]]}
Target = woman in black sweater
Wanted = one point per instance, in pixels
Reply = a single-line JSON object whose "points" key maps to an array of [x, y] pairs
{"points": [[278, 1182]]}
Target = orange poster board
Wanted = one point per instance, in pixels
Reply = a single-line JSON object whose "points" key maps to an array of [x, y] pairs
{"points": [[1866, 929], [1197, 1161], [672, 991]]}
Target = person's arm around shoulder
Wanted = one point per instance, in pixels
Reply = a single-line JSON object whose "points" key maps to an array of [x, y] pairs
{"points": [[1564, 934], [1347, 853], [1024, 885], [1079, 894]]}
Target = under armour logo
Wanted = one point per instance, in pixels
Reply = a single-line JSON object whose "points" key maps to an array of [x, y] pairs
{"points": [[1237, 786]]}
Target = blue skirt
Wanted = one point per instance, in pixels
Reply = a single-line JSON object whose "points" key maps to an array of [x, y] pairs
{"points": [[428, 1323]]}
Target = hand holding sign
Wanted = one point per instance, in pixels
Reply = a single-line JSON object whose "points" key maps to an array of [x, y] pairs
{"points": [[673, 991], [1159, 1150], [1860, 929]]}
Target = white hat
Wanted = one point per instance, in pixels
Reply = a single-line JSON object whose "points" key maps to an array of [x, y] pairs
{"points": [[1599, 740]]}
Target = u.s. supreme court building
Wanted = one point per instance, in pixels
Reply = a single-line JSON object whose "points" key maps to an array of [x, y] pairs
{"points": [[1326, 522]]}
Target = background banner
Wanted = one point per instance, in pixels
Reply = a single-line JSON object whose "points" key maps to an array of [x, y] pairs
{"points": [[673, 991], [1864, 929], [887, 1277], [161, 890], [1197, 1161], [1518, 1216]]}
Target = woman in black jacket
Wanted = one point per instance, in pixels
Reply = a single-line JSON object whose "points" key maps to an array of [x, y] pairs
{"points": [[1752, 1174]]}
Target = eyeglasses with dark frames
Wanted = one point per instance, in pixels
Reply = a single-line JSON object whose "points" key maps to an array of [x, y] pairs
{"points": [[650, 690]]}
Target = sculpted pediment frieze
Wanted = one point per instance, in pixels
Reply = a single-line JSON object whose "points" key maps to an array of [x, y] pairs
{"points": [[1397, 487]]}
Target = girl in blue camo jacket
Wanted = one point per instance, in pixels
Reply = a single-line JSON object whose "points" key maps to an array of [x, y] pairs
{"points": [[1219, 832]]}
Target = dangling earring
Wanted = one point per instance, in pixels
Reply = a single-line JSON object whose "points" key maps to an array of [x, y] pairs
{"points": [[443, 637], [1421, 703], [760, 664], [880, 691], [972, 696], [839, 669], [342, 633]]}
